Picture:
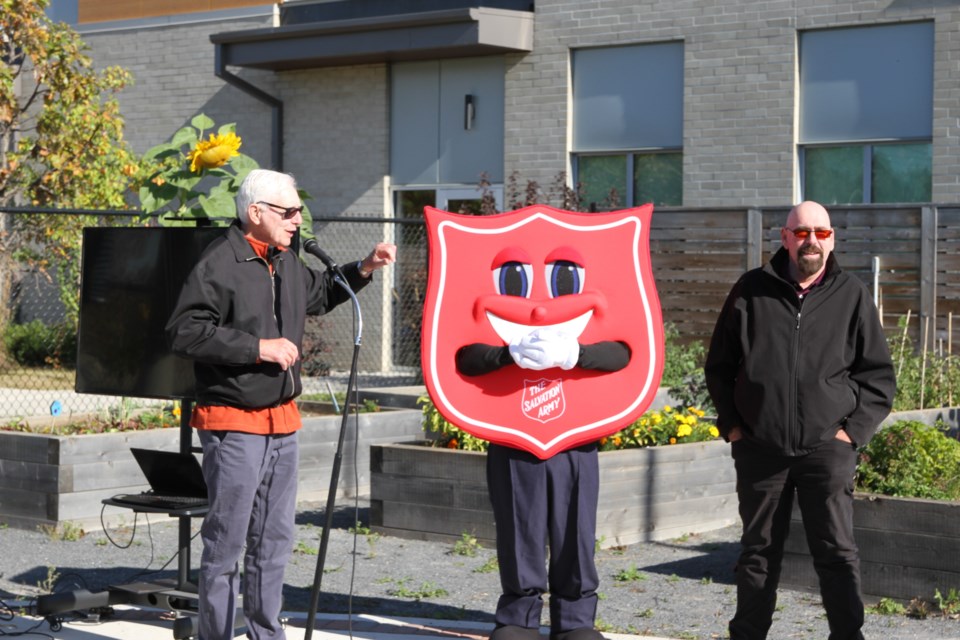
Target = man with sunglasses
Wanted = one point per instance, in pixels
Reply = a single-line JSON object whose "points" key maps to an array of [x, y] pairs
{"points": [[240, 318], [800, 374]]}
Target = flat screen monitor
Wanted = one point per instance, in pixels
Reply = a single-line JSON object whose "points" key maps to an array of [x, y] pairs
{"points": [[130, 280]]}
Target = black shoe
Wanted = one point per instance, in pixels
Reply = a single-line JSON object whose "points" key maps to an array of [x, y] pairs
{"points": [[514, 632], [583, 633]]}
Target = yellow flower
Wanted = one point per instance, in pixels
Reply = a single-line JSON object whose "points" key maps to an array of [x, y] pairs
{"points": [[684, 430], [657, 418], [176, 411], [617, 441], [714, 432], [214, 152], [667, 409]]}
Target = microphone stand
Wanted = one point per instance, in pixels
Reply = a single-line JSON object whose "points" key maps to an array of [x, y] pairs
{"points": [[337, 458]]}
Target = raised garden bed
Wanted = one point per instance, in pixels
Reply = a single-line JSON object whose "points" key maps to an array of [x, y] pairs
{"points": [[48, 480], [656, 493], [908, 548]]}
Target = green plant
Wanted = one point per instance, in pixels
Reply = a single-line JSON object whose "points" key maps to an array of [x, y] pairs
{"points": [[911, 459], [490, 566], [194, 179], [359, 529], [47, 585], [426, 590], [371, 536], [950, 604], [305, 549], [445, 434], [66, 531], [630, 574], [680, 359], [35, 344], [467, 545], [108, 422], [926, 378]]}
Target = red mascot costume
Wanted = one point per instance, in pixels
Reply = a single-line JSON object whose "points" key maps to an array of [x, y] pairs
{"points": [[542, 333]]}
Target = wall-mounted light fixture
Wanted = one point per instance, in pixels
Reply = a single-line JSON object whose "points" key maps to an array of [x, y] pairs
{"points": [[469, 111]]}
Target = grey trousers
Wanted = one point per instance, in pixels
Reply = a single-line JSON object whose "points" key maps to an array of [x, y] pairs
{"points": [[252, 486]]}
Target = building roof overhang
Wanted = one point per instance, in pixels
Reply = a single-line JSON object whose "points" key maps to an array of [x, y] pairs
{"points": [[462, 32]]}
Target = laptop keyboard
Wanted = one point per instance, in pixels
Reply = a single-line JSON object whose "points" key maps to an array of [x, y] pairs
{"points": [[161, 502]]}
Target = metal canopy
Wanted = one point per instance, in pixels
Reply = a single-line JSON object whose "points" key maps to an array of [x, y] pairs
{"points": [[469, 31]]}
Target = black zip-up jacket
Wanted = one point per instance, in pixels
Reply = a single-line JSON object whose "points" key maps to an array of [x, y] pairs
{"points": [[789, 371], [230, 301]]}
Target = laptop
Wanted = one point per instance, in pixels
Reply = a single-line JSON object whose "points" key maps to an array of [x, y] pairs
{"points": [[176, 481]]}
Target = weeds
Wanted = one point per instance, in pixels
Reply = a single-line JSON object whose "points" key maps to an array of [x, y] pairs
{"points": [[50, 582], [305, 549], [426, 590], [887, 607], [65, 531], [490, 566], [950, 604], [467, 545], [632, 574], [371, 536]]}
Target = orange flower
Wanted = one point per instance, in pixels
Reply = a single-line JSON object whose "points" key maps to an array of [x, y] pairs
{"points": [[453, 444]]}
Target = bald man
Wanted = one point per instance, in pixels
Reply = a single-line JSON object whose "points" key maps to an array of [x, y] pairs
{"points": [[800, 374]]}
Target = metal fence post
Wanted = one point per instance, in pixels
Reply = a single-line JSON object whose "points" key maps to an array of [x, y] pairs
{"points": [[754, 238], [928, 268]]}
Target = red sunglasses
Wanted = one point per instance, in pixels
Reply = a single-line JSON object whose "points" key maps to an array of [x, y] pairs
{"points": [[802, 233]]}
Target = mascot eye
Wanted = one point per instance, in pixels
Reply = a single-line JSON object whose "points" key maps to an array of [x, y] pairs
{"points": [[513, 279], [565, 278]]}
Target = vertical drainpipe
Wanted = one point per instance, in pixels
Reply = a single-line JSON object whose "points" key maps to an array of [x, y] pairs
{"points": [[275, 104]]}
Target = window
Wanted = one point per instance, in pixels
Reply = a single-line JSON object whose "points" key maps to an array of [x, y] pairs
{"points": [[628, 125], [866, 114]]}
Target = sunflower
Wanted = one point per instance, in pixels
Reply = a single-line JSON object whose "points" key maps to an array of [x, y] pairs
{"points": [[214, 152]]}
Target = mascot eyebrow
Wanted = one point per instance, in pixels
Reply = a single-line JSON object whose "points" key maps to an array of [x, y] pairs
{"points": [[510, 254]]}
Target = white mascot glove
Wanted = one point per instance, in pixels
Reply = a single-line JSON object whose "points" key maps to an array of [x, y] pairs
{"points": [[528, 354], [561, 349]]}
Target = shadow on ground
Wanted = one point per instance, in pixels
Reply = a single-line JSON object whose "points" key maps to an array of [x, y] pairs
{"points": [[345, 515], [716, 563], [298, 599]]}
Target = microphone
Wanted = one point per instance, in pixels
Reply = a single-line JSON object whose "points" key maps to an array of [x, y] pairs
{"points": [[311, 247]]}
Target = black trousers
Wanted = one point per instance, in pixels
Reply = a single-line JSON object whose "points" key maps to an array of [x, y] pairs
{"points": [[823, 483], [536, 502]]}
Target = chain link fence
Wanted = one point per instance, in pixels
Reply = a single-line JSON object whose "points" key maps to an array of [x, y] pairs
{"points": [[41, 288]]}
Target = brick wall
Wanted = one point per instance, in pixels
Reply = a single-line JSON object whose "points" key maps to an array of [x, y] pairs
{"points": [[174, 80], [739, 96]]}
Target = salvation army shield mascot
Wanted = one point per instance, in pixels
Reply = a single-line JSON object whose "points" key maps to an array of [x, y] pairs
{"points": [[542, 333]]}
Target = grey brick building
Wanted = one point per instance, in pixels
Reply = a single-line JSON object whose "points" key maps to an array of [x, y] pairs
{"points": [[696, 103], [381, 106]]}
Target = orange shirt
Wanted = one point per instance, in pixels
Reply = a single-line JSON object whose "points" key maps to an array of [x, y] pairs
{"points": [[268, 421]]}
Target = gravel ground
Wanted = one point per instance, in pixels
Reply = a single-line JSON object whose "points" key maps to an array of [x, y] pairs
{"points": [[680, 589]]}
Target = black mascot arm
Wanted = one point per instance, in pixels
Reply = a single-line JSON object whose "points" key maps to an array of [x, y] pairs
{"points": [[477, 359]]}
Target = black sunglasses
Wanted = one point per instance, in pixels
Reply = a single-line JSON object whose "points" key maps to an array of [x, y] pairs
{"points": [[286, 212]]}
